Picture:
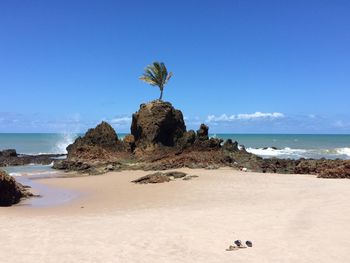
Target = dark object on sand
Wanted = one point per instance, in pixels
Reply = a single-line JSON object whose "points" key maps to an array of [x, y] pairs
{"points": [[176, 174], [238, 243], [249, 243], [155, 178], [159, 177]]}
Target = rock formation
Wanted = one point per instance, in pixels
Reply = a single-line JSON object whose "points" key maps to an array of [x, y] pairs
{"points": [[203, 133], [11, 158], [8, 153], [339, 171], [102, 137], [11, 192], [157, 123], [159, 141]]}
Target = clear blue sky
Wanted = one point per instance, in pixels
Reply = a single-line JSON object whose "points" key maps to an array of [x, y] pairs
{"points": [[240, 66]]}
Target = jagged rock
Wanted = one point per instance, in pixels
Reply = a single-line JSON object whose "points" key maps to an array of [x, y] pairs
{"points": [[230, 146], [11, 192], [342, 171], [157, 122], [188, 139], [8, 153], [71, 165], [306, 167], [153, 179], [11, 158], [103, 136], [129, 142], [202, 133]]}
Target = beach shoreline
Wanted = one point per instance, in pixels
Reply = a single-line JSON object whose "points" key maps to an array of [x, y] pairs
{"points": [[287, 217]]}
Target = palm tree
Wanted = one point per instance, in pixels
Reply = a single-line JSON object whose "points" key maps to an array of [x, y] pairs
{"points": [[157, 75]]}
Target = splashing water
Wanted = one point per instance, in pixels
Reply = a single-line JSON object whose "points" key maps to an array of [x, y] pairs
{"points": [[63, 142]]}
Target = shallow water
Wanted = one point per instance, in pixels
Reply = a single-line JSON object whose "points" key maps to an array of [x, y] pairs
{"points": [[49, 196]]}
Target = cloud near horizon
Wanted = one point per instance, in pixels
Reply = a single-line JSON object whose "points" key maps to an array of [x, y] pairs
{"points": [[245, 116], [258, 122]]}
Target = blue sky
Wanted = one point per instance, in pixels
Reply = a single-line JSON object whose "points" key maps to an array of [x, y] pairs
{"points": [[239, 66]]}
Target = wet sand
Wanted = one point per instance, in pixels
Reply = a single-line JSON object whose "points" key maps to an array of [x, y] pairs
{"points": [[289, 218]]}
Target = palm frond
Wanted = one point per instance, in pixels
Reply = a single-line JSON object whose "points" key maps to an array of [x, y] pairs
{"points": [[156, 75]]}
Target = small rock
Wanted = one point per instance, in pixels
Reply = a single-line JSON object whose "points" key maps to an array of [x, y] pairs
{"points": [[152, 179], [249, 243]]}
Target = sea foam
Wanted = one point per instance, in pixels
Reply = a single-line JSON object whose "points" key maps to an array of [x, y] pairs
{"points": [[282, 153], [63, 142], [342, 153]]}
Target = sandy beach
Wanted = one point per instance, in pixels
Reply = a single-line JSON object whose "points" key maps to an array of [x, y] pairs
{"points": [[289, 218]]}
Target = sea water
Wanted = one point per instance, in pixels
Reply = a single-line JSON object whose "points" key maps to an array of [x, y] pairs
{"points": [[266, 145], [295, 146]]}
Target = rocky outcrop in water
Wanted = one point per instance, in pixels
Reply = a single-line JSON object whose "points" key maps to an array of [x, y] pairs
{"points": [[11, 192], [8, 153], [11, 158], [159, 141]]}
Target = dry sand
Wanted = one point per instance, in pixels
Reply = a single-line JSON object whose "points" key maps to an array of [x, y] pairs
{"points": [[289, 218]]}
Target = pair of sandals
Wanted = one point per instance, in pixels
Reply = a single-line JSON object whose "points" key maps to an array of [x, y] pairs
{"points": [[238, 245]]}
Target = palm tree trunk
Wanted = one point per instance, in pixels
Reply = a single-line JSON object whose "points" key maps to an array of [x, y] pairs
{"points": [[161, 94]]}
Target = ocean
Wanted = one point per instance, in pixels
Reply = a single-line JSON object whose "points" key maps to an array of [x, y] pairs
{"points": [[266, 145]]}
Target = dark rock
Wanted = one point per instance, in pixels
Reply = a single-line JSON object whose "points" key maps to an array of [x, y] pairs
{"points": [[71, 165], [210, 144], [11, 192], [11, 158], [176, 174], [157, 122], [129, 142], [152, 179], [103, 136], [230, 146], [342, 171], [202, 133], [8, 153], [188, 139]]}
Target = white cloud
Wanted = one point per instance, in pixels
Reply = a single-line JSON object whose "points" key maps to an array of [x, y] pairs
{"points": [[341, 124], [121, 120], [245, 116]]}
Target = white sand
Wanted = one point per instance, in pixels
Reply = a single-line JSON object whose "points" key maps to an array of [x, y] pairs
{"points": [[289, 218]]}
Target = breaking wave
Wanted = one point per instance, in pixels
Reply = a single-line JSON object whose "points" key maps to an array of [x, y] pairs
{"points": [[63, 142], [341, 153]]}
